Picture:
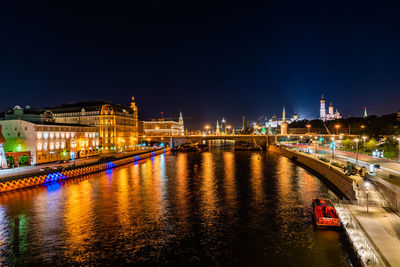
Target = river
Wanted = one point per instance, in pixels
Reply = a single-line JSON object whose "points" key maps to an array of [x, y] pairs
{"points": [[218, 207]]}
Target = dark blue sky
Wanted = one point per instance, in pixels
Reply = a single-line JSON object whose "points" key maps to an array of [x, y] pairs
{"points": [[208, 59]]}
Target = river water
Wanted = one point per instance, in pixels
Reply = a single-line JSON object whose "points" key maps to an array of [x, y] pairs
{"points": [[211, 208]]}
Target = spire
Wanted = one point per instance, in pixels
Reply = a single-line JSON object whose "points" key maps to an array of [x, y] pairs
{"points": [[180, 117], [322, 98], [331, 104], [217, 129], [365, 112], [284, 115]]}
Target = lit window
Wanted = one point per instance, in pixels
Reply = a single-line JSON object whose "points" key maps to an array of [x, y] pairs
{"points": [[51, 146], [39, 146], [39, 135], [45, 135], [51, 135], [57, 145], [45, 146]]}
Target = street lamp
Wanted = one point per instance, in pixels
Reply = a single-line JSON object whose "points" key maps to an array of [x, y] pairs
{"points": [[337, 126], [308, 128], [228, 127], [356, 140], [207, 127], [367, 186], [364, 138], [398, 140]]}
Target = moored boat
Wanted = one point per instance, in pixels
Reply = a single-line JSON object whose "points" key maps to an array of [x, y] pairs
{"points": [[324, 213]]}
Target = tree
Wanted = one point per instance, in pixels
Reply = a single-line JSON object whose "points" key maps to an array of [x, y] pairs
{"points": [[370, 145]]}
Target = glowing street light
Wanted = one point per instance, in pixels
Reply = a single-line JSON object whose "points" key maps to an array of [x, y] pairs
{"points": [[337, 126], [398, 140], [308, 128], [364, 138], [357, 140], [367, 184]]}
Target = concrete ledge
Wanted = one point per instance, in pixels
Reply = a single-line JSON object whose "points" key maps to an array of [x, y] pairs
{"points": [[337, 178]]}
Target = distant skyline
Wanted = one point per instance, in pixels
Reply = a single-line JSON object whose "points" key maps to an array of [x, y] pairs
{"points": [[207, 60]]}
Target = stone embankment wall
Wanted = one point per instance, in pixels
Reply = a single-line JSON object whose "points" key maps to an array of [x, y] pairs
{"points": [[336, 177], [390, 192], [13, 183]]}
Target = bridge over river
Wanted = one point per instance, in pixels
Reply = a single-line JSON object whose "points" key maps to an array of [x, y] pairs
{"points": [[262, 140]]}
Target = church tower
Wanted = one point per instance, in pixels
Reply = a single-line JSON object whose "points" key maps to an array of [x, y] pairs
{"points": [[322, 111], [365, 112], [181, 123], [217, 129], [331, 110], [284, 125]]}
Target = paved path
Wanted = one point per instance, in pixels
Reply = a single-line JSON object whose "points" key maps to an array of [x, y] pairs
{"points": [[380, 225], [382, 228]]}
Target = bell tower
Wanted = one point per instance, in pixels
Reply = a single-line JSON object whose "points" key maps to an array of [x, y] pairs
{"points": [[322, 112]]}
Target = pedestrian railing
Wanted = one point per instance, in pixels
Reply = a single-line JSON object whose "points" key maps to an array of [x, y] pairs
{"points": [[366, 254]]}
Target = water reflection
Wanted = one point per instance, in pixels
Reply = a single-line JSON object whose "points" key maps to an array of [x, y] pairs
{"points": [[78, 222], [208, 187], [211, 208], [229, 181]]}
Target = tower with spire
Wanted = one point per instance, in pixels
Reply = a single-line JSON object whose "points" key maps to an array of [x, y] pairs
{"points": [[322, 111], [181, 123], [284, 125], [217, 129], [365, 112], [223, 125]]}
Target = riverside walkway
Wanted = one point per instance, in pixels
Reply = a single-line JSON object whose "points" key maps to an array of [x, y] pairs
{"points": [[380, 224]]}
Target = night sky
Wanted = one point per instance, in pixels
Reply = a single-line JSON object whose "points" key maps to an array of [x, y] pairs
{"points": [[206, 59]]}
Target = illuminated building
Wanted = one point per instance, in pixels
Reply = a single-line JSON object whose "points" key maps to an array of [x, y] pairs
{"points": [[322, 109], [48, 142], [284, 125], [331, 114], [365, 112], [3, 161], [118, 125], [162, 127], [217, 129]]}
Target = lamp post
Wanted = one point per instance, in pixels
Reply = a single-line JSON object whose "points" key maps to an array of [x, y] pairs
{"points": [[367, 186], [398, 140], [356, 140], [316, 146], [364, 138], [337, 126], [308, 128], [332, 144], [228, 127], [207, 127]]}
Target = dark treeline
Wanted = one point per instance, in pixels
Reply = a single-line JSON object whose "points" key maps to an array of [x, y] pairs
{"points": [[372, 126]]}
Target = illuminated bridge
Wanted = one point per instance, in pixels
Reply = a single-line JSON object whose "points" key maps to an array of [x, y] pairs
{"points": [[262, 140]]}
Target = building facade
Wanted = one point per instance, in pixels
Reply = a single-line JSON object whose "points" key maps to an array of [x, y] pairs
{"points": [[3, 160], [48, 142], [331, 115], [162, 127], [117, 124]]}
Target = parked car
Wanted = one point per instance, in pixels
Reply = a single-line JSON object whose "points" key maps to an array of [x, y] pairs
{"points": [[45, 169]]}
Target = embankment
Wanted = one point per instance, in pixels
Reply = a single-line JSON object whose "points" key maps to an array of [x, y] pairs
{"points": [[335, 177], [13, 183]]}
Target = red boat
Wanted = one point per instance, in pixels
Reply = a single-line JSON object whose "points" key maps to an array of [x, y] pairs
{"points": [[324, 213]]}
